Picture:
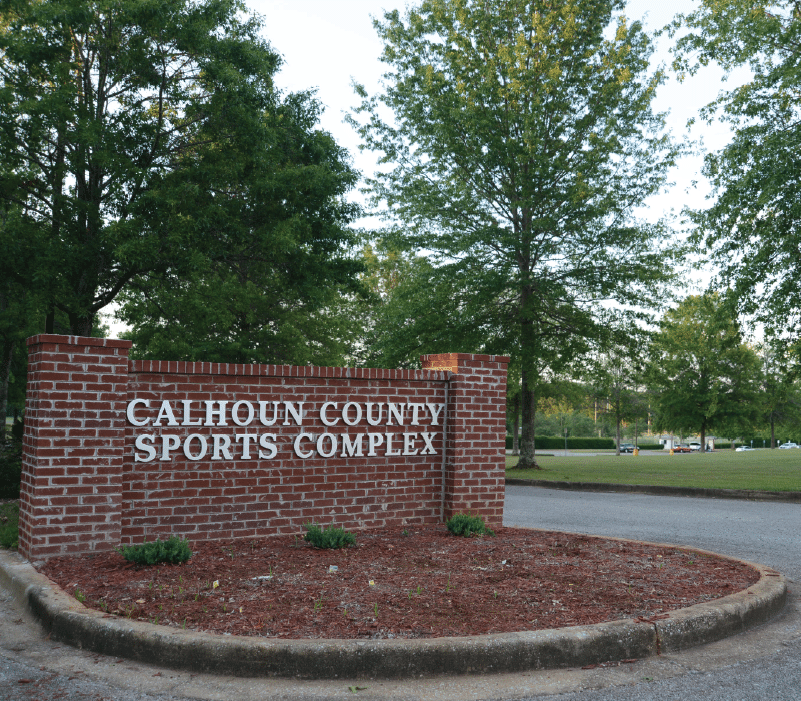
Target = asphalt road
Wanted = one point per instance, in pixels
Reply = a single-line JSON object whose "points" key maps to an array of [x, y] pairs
{"points": [[761, 664]]}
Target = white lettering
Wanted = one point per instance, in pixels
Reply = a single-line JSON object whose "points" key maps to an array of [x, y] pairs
{"points": [[415, 409], [352, 448], [211, 411], [369, 412], [434, 410], [346, 411], [235, 413], [324, 417], [398, 413], [297, 414], [203, 446], [374, 440], [246, 438], [169, 443], [188, 414], [165, 411], [298, 451], [389, 445], [408, 444], [132, 419], [265, 443], [222, 447], [428, 448], [141, 444], [331, 437], [263, 413]]}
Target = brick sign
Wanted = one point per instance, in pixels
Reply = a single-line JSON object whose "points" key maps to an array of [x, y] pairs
{"points": [[121, 451]]}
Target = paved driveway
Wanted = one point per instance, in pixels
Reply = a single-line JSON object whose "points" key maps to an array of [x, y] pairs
{"points": [[761, 664]]}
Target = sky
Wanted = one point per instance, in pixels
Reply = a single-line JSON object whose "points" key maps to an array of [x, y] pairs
{"points": [[328, 44]]}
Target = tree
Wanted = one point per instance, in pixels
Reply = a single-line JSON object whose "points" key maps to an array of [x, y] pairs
{"points": [[702, 375], [523, 137], [102, 103], [753, 224], [779, 392], [275, 281], [615, 377]]}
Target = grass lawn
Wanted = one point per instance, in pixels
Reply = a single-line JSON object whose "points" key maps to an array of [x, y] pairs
{"points": [[768, 470]]}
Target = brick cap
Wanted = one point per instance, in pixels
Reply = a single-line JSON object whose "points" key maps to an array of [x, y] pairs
{"points": [[78, 341]]}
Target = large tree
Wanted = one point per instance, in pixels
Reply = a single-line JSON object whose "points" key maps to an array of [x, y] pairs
{"points": [[753, 223], [275, 281], [521, 139], [702, 374], [101, 103]]}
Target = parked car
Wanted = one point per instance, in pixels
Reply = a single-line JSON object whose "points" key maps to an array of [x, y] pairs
{"points": [[743, 448], [626, 448], [786, 446], [683, 448], [695, 447]]}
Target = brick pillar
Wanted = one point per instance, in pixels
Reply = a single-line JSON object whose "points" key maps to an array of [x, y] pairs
{"points": [[71, 493], [475, 453]]}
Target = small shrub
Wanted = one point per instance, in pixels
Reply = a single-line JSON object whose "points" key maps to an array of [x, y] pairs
{"points": [[173, 551], [10, 468], [331, 537], [9, 525], [468, 525]]}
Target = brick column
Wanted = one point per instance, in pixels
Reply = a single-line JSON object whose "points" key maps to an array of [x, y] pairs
{"points": [[475, 453], [71, 493]]}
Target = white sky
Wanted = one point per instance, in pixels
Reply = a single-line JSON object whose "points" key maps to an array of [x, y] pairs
{"points": [[328, 43]]}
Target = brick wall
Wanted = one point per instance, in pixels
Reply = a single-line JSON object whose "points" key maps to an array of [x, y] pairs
{"points": [[120, 451]]}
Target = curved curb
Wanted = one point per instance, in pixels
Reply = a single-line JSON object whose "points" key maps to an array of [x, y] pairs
{"points": [[70, 622], [660, 490]]}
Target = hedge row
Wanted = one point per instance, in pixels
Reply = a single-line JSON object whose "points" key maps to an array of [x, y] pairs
{"points": [[556, 442]]}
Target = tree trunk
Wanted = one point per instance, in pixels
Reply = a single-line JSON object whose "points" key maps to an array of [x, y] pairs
{"points": [[6, 355], [703, 438], [81, 325], [516, 425], [772, 432], [617, 432], [528, 402]]}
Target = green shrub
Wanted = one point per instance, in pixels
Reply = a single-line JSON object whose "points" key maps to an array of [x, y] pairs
{"points": [[9, 524], [173, 551], [558, 442], [468, 525], [330, 538], [650, 446], [10, 468]]}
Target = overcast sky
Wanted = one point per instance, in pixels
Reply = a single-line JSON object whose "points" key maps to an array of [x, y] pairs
{"points": [[328, 43]]}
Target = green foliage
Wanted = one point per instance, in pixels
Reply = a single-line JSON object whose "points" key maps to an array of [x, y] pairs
{"points": [[328, 538], [9, 524], [703, 376], [573, 443], [10, 468], [145, 148], [753, 223], [468, 525], [173, 551], [522, 139]]}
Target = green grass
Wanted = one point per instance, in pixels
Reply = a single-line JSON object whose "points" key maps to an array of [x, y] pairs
{"points": [[9, 524], [762, 470]]}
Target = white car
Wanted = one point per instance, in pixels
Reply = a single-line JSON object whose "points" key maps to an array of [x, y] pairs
{"points": [[786, 446], [743, 448]]}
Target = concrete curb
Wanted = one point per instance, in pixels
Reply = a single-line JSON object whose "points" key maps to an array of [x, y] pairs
{"points": [[68, 621], [662, 491]]}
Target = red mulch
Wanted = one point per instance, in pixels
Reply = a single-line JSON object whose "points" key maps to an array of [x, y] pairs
{"points": [[396, 583]]}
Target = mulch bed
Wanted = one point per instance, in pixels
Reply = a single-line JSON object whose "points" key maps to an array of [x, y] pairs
{"points": [[417, 582]]}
